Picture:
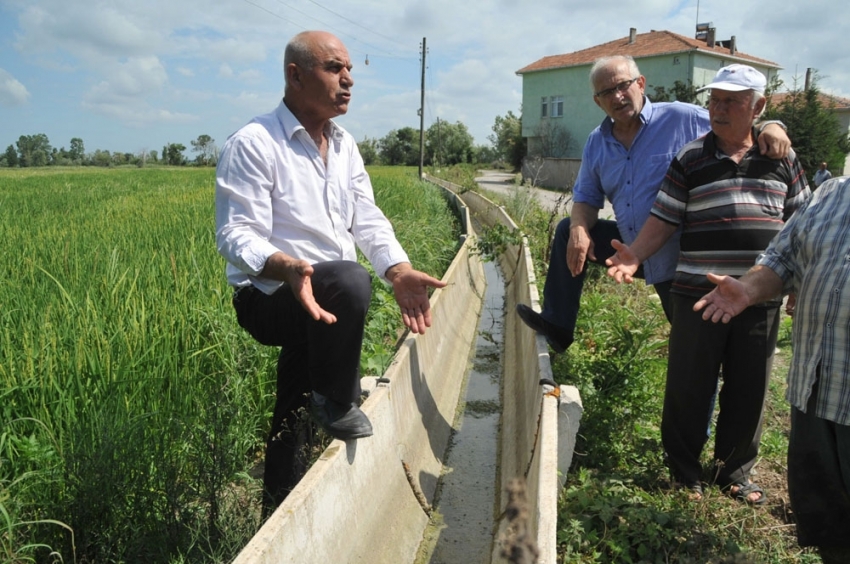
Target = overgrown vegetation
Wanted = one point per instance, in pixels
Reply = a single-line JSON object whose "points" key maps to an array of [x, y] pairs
{"points": [[815, 131], [132, 406], [617, 505]]}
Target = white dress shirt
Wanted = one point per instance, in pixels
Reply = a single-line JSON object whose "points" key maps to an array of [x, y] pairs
{"points": [[274, 193]]}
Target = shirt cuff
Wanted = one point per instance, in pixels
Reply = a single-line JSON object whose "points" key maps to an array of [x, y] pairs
{"points": [[764, 124]]}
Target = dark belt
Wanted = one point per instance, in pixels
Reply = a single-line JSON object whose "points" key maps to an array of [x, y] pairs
{"points": [[243, 291]]}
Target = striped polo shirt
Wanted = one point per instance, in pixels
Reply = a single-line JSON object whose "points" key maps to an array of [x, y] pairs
{"points": [[728, 211]]}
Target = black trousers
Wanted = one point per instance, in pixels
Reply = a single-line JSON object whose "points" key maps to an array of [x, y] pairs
{"points": [[819, 479], [744, 348], [314, 356], [562, 291]]}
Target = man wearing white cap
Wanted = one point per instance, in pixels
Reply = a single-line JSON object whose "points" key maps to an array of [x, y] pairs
{"points": [[730, 201]]}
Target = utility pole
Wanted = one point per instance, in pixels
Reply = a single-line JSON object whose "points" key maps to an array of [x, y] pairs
{"points": [[422, 114]]}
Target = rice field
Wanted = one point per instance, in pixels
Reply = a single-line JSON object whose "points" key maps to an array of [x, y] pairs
{"points": [[132, 406]]}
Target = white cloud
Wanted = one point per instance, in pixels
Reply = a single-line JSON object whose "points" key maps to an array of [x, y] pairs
{"points": [[12, 92], [224, 71]]}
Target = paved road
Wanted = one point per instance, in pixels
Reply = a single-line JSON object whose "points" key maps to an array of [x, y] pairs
{"points": [[503, 182]]}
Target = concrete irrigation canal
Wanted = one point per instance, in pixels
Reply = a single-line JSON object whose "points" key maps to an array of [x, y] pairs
{"points": [[463, 411]]}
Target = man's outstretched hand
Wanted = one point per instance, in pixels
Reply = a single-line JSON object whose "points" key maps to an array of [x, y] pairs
{"points": [[623, 264], [299, 274], [726, 301], [410, 288]]}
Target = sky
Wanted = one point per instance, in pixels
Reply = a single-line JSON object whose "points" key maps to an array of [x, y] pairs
{"points": [[131, 76]]}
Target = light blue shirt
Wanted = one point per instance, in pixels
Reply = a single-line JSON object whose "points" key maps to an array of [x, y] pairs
{"points": [[630, 179], [812, 256]]}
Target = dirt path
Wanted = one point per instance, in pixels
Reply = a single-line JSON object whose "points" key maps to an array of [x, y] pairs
{"points": [[503, 182]]}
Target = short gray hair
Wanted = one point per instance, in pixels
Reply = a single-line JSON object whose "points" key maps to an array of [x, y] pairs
{"points": [[299, 51], [756, 97], [603, 62]]}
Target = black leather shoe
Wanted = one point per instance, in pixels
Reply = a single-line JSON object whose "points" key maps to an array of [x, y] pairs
{"points": [[341, 421], [559, 339]]}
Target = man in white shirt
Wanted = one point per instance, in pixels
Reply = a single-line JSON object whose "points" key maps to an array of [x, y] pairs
{"points": [[293, 202]]}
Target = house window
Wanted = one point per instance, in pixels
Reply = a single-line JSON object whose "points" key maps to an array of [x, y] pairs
{"points": [[544, 107], [556, 106]]}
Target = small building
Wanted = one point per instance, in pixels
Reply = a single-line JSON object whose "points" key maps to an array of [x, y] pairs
{"points": [[557, 96]]}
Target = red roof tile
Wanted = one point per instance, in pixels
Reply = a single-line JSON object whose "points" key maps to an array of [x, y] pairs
{"points": [[826, 100], [645, 45]]}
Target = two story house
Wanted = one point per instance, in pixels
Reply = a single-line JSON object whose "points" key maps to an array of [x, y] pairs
{"points": [[557, 95]]}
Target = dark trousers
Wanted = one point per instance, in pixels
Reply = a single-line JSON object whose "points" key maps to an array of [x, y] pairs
{"points": [[744, 348], [562, 290], [314, 356], [819, 479]]}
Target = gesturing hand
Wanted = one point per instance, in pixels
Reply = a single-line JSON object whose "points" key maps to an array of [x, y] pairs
{"points": [[298, 273], [623, 264], [410, 288], [723, 303]]}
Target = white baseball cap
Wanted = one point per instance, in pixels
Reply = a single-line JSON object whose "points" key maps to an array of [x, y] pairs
{"points": [[736, 78]]}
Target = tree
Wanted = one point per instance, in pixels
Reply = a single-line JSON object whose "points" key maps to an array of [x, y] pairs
{"points": [[680, 92], [101, 158], [485, 154], [368, 150], [173, 154], [813, 128], [555, 140], [448, 143], [34, 150], [204, 145], [400, 147], [77, 151], [11, 156], [507, 139]]}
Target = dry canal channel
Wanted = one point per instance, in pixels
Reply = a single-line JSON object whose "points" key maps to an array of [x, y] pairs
{"points": [[463, 524]]}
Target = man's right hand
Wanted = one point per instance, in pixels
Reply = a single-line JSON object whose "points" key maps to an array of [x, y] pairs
{"points": [[623, 264], [302, 288], [297, 273]]}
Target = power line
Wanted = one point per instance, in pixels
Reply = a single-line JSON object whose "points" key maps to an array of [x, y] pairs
{"points": [[357, 24], [339, 32], [274, 14]]}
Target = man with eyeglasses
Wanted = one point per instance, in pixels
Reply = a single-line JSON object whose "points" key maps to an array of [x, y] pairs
{"points": [[624, 160]]}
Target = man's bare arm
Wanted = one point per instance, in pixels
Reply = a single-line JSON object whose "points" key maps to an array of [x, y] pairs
{"points": [[582, 219]]}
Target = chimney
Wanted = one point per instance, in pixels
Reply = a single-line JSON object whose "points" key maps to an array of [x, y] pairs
{"points": [[709, 38], [808, 78], [733, 47], [632, 35]]}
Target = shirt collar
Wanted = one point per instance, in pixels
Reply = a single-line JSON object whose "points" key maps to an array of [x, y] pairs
{"points": [[645, 117], [710, 145], [291, 124]]}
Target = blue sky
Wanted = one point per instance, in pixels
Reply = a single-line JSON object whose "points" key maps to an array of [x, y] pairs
{"points": [[132, 76]]}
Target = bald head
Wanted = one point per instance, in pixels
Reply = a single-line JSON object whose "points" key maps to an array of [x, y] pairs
{"points": [[318, 77]]}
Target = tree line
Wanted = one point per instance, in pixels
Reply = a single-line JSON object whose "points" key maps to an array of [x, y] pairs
{"points": [[36, 150], [445, 143], [813, 128]]}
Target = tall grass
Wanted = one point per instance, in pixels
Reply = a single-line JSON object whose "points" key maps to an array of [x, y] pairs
{"points": [[132, 405]]}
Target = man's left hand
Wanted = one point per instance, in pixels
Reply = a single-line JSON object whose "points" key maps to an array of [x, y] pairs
{"points": [[411, 293], [774, 142]]}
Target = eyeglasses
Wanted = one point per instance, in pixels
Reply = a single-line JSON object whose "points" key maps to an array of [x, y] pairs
{"points": [[622, 87]]}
